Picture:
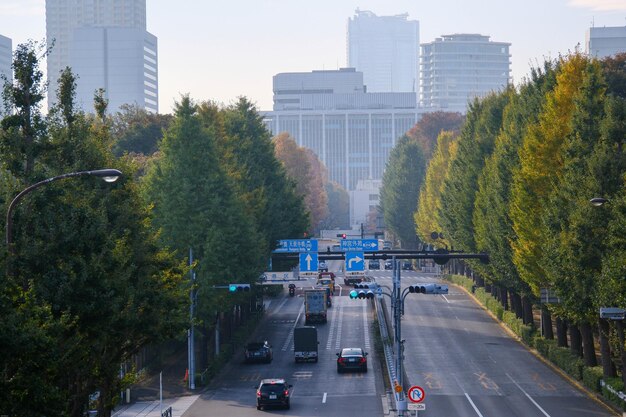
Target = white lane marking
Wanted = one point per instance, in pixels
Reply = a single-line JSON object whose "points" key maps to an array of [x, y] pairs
{"points": [[324, 399], [445, 298], [290, 335], [529, 397], [338, 334], [280, 305], [473, 405], [333, 325], [365, 327]]}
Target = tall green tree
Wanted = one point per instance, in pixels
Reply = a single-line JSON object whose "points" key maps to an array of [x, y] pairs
{"points": [[270, 196], [483, 123], [196, 206], [403, 177]]}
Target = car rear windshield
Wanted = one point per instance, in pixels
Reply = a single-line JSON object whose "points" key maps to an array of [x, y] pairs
{"points": [[255, 346], [266, 388], [351, 352]]}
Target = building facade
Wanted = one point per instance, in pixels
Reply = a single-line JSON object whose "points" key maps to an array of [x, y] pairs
{"points": [[352, 133], [457, 68], [605, 41], [6, 59], [386, 50], [364, 199], [73, 25]]}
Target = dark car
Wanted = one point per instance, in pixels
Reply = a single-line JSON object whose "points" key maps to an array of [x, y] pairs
{"points": [[272, 392], [388, 264], [351, 359], [407, 265], [374, 264], [258, 352]]}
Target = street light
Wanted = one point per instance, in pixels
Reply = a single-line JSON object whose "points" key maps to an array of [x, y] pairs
{"points": [[598, 201], [108, 175]]}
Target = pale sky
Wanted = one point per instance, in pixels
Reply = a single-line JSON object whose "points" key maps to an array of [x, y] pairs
{"points": [[220, 50]]}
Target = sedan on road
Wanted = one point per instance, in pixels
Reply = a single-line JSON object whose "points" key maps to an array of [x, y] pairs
{"points": [[273, 392], [351, 359], [258, 352]]}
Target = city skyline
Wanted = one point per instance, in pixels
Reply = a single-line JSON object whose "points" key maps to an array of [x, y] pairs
{"points": [[222, 51]]}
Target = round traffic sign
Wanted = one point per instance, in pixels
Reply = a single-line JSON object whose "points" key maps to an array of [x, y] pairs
{"points": [[416, 394], [397, 387]]}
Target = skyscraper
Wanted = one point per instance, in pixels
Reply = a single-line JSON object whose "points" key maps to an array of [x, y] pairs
{"points": [[606, 41], [385, 49], [106, 44], [457, 68], [6, 59]]}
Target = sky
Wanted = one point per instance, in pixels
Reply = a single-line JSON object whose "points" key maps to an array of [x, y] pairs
{"points": [[221, 50]]}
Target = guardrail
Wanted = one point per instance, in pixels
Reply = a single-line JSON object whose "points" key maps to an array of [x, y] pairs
{"points": [[387, 347]]}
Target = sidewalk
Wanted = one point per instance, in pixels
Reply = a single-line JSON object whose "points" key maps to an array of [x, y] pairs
{"points": [[152, 408]]}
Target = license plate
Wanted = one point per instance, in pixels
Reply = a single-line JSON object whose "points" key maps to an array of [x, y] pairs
{"points": [[352, 360], [272, 397]]}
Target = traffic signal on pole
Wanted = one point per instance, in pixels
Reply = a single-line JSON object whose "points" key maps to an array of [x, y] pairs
{"points": [[366, 286], [354, 294], [342, 235], [429, 289], [238, 287], [362, 294]]}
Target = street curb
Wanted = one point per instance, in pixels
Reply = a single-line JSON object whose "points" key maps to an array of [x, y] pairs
{"points": [[592, 395]]}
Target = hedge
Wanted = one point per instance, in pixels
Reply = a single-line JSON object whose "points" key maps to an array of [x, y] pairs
{"points": [[592, 375]]}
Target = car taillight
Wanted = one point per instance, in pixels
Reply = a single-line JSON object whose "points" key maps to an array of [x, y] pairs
{"points": [[286, 393], [258, 393], [341, 360], [363, 360]]}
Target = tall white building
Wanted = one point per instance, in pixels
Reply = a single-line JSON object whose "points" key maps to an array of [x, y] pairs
{"points": [[606, 41], [386, 50], [457, 68], [106, 44], [6, 59], [351, 131]]}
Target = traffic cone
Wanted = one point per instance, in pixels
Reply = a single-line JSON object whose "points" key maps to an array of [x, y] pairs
{"points": [[186, 375]]}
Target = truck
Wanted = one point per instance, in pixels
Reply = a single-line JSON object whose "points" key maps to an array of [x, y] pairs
{"points": [[315, 306], [305, 344]]}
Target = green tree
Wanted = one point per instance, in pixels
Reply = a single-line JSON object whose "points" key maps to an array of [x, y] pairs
{"points": [[427, 214], [403, 177], [270, 197], [137, 131]]}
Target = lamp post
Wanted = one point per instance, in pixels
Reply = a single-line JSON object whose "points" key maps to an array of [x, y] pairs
{"points": [[108, 175]]}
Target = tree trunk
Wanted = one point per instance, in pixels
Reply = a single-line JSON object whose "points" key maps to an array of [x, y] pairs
{"points": [[608, 367], [589, 350], [505, 299], [576, 343], [487, 287], [516, 304], [546, 323], [527, 307], [619, 324], [561, 332]]}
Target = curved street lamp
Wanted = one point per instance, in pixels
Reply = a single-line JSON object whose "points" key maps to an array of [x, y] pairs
{"points": [[598, 201], [108, 175]]}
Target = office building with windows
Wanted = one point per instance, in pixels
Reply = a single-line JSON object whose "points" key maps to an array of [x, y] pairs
{"points": [[107, 46], [386, 50], [456, 69], [364, 199], [605, 41], [351, 131]]}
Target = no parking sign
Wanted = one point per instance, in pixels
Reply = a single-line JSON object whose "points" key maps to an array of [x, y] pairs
{"points": [[416, 394]]}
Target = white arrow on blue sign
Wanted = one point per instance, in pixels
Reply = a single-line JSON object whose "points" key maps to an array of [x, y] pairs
{"points": [[355, 261], [308, 262]]}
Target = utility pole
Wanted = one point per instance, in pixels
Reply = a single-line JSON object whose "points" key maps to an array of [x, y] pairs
{"points": [[397, 317], [190, 334]]}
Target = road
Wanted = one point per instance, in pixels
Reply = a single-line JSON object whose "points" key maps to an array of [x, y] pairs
{"points": [[317, 388], [470, 367]]}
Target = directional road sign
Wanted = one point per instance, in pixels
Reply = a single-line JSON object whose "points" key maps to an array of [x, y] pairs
{"points": [[355, 261], [297, 245], [360, 245], [613, 313], [308, 262], [416, 394]]}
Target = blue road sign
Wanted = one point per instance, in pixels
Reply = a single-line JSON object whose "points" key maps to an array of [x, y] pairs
{"points": [[297, 245], [355, 261], [359, 245], [308, 262]]}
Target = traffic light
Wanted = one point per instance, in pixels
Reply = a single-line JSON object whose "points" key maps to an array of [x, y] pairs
{"points": [[238, 287], [429, 289], [354, 294], [342, 235], [366, 286]]}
